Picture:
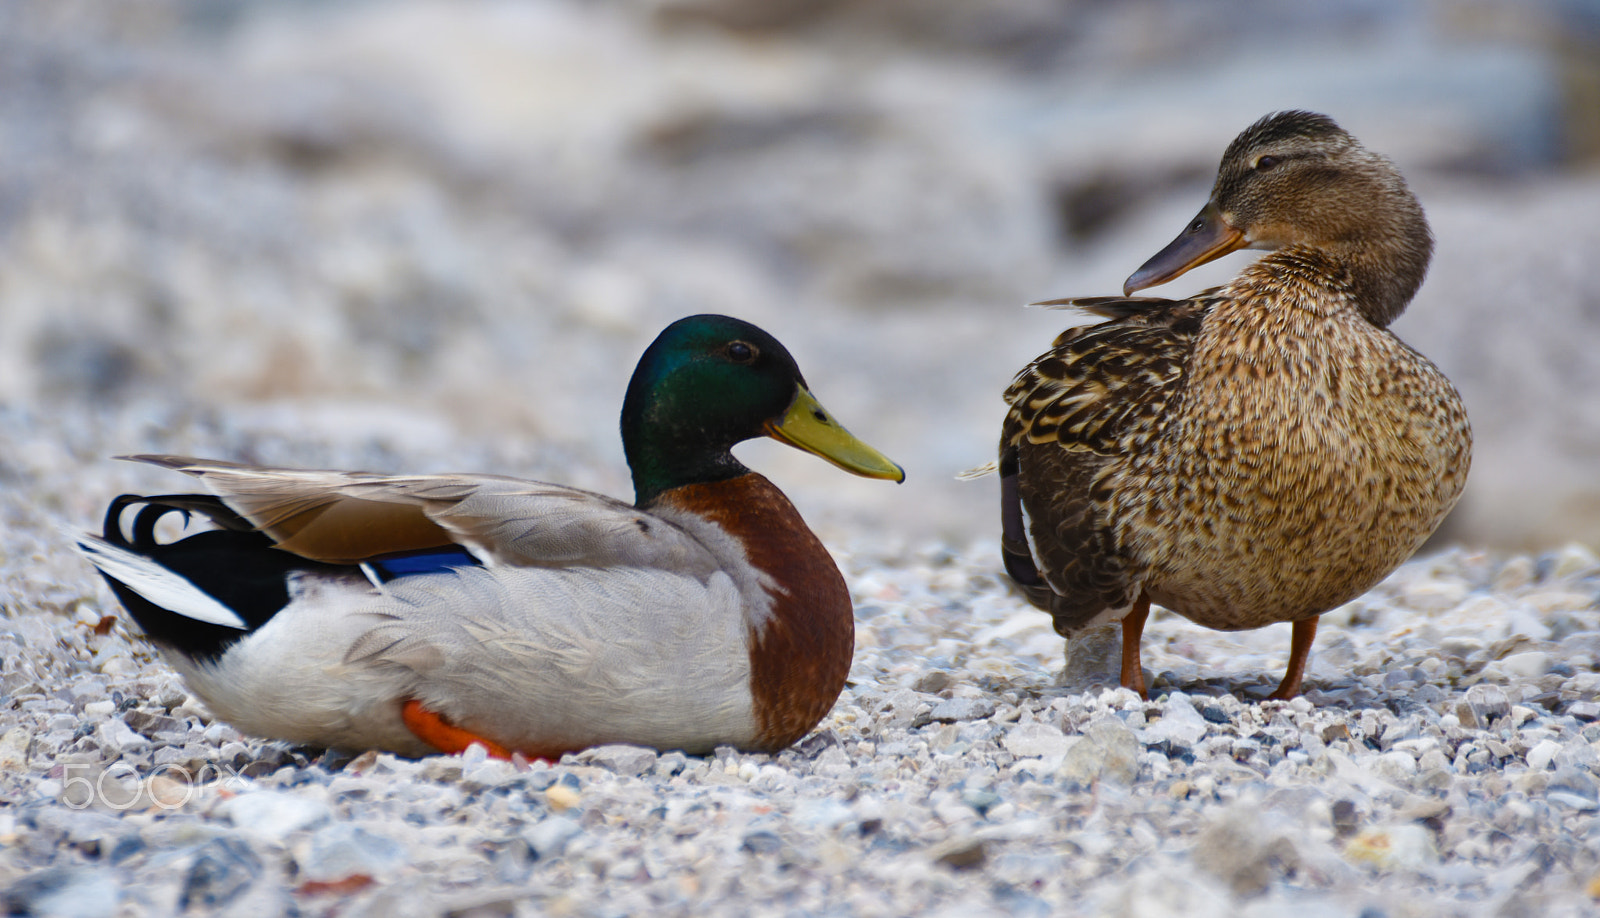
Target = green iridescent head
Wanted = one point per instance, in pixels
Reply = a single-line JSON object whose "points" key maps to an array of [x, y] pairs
{"points": [[708, 382]]}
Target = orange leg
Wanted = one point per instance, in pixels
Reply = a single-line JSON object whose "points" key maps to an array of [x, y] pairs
{"points": [[1305, 631], [447, 738], [1132, 631]]}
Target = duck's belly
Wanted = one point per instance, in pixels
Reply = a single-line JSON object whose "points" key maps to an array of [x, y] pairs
{"points": [[557, 661], [288, 681], [1296, 497], [1245, 568], [546, 663]]}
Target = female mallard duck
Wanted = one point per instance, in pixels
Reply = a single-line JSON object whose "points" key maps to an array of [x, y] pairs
{"points": [[423, 613], [1260, 452]]}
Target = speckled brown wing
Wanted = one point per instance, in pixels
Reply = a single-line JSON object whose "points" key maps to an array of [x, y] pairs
{"points": [[1098, 396]]}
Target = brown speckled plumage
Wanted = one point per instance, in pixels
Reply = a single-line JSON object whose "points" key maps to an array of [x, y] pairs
{"points": [[1262, 452]]}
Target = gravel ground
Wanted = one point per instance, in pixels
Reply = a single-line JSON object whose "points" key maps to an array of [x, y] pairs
{"points": [[424, 235], [1442, 760]]}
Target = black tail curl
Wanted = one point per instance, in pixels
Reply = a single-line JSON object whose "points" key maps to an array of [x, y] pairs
{"points": [[234, 563]]}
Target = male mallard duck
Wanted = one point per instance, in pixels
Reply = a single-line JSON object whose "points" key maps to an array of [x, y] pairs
{"points": [[422, 613], [1260, 452]]}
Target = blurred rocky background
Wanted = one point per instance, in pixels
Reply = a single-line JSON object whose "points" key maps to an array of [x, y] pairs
{"points": [[422, 235]]}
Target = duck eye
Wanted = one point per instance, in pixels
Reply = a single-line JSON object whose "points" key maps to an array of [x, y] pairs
{"points": [[741, 352], [1265, 163]]}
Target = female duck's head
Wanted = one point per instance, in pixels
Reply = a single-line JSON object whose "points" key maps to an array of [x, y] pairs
{"points": [[709, 382], [1298, 179]]}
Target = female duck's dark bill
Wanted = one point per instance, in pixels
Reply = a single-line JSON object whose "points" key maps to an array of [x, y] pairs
{"points": [[808, 426], [1207, 238]]}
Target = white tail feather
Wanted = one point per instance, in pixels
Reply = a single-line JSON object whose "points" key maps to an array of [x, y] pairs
{"points": [[157, 584], [988, 468]]}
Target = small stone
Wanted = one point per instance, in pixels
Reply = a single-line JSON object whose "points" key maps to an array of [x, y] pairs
{"points": [[934, 682], [762, 841], [1393, 847], [1344, 817], [1515, 574], [443, 768], [234, 753], [620, 758], [1093, 655], [488, 773], [119, 665], [1528, 665], [362, 763], [150, 724], [1180, 725], [958, 709], [1576, 753], [1035, 739], [1574, 559], [1214, 713], [168, 793], [961, 853], [223, 868], [1584, 710], [1245, 850], [471, 757], [1546, 603], [1435, 778], [63, 892], [275, 815], [1461, 645], [219, 733], [14, 748], [1485, 703], [1398, 767], [1432, 760], [561, 797], [1431, 812], [343, 850], [549, 837], [1531, 783], [1542, 754], [1526, 623], [1573, 788], [1108, 749], [822, 812], [1334, 732], [1435, 595], [980, 799], [115, 735]]}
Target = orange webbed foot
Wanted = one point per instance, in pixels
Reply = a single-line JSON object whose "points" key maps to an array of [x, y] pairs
{"points": [[445, 737]]}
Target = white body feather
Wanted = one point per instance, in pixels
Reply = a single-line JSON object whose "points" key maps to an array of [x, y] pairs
{"points": [[590, 622], [552, 659]]}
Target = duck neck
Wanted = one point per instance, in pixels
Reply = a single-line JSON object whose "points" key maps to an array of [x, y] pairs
{"points": [[802, 629], [663, 455], [660, 465], [1387, 261]]}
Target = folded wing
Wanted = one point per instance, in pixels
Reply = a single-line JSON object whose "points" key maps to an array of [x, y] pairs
{"points": [[350, 517]]}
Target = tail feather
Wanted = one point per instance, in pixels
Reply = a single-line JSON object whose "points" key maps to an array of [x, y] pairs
{"points": [[205, 591], [158, 585]]}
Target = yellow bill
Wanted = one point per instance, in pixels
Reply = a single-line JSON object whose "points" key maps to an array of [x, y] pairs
{"points": [[808, 426]]}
